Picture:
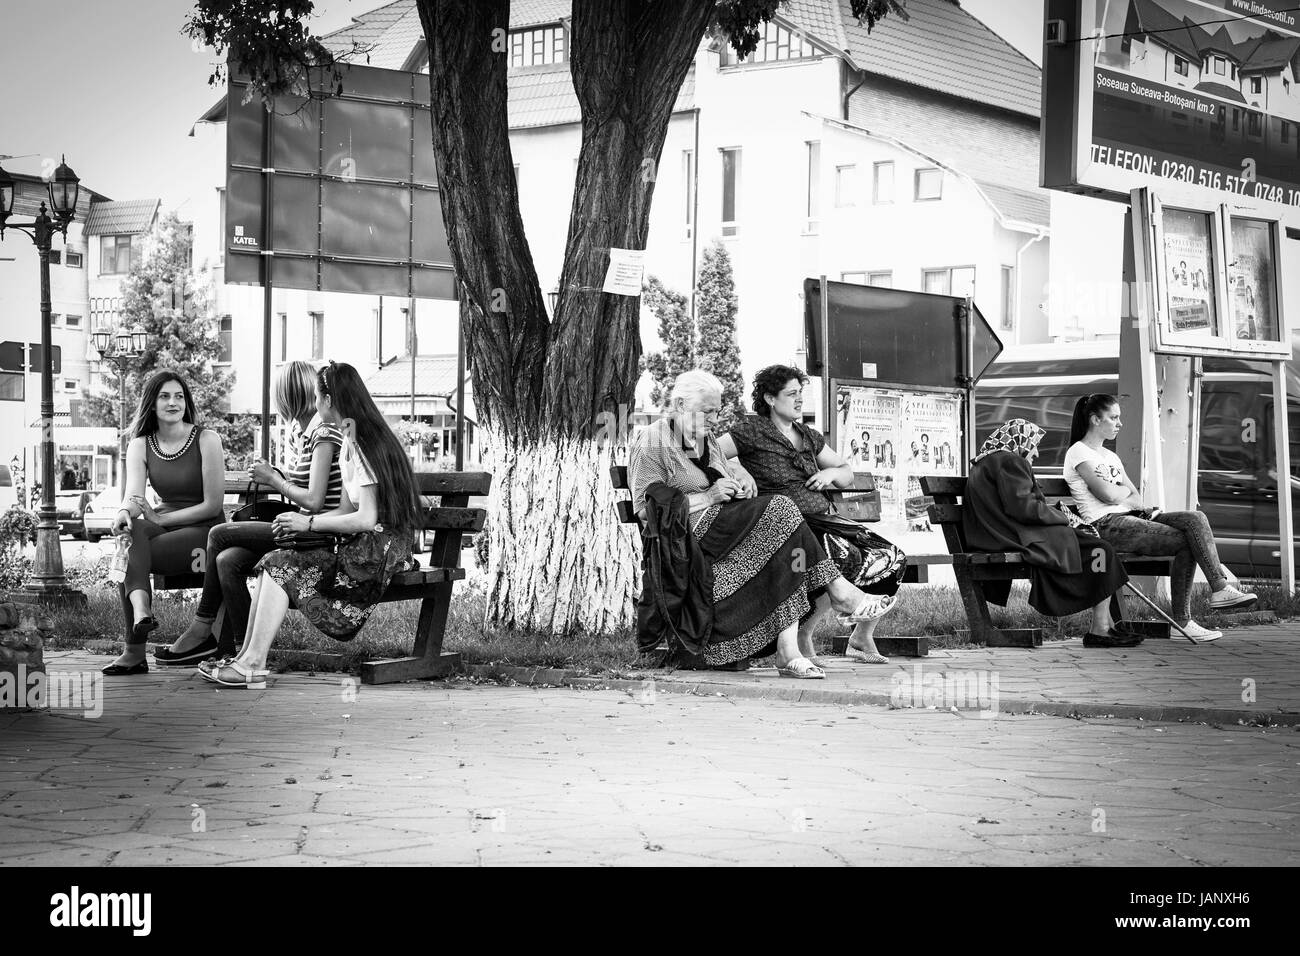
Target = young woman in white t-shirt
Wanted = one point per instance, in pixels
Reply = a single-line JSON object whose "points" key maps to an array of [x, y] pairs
{"points": [[1108, 500]]}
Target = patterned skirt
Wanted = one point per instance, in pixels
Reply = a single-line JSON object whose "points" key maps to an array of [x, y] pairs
{"points": [[336, 588], [765, 563], [869, 562]]}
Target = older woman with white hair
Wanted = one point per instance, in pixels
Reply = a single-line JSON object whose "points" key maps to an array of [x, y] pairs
{"points": [[766, 567]]}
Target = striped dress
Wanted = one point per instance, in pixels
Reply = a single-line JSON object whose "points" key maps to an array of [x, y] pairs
{"points": [[318, 431]]}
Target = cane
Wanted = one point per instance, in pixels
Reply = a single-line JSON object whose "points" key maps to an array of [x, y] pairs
{"points": [[1152, 604]]}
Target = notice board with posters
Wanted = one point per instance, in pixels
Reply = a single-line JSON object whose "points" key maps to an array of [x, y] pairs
{"points": [[898, 435], [342, 189], [1201, 95]]}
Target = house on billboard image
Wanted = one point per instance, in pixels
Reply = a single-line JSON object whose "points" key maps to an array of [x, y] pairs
{"points": [[1250, 70], [907, 157]]}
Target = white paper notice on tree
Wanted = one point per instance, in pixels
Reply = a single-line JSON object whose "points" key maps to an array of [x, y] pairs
{"points": [[626, 271]]}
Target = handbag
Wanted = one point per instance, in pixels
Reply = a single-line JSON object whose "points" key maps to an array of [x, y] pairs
{"points": [[261, 510], [307, 541]]}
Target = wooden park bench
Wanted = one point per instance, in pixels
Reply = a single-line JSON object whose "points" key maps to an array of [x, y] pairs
{"points": [[864, 485], [430, 584], [973, 568]]}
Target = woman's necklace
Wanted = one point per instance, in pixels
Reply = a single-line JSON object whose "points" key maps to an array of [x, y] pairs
{"points": [[172, 456]]}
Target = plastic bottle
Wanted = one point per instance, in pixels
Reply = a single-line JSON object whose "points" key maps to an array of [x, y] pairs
{"points": [[121, 552]]}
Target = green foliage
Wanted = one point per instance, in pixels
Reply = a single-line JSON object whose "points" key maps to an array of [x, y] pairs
{"points": [[271, 43], [162, 295], [717, 351], [677, 334], [17, 525]]}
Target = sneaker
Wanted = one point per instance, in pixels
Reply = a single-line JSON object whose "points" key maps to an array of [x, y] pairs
{"points": [[1201, 635], [1231, 599], [1113, 638]]}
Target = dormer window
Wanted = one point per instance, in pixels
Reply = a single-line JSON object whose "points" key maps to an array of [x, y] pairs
{"points": [[1220, 66], [538, 46], [776, 43], [1180, 66]]}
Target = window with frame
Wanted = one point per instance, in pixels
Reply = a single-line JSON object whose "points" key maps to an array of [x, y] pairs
{"points": [[72, 321], [953, 280], [1254, 126], [1220, 66], [812, 203], [537, 47], [221, 217], [54, 318], [927, 184], [70, 385], [1256, 84], [225, 343], [777, 43], [317, 335], [688, 192], [1236, 119], [882, 183], [117, 254], [881, 280], [13, 387], [1180, 66], [284, 337], [56, 257], [72, 260], [846, 185], [730, 191]]}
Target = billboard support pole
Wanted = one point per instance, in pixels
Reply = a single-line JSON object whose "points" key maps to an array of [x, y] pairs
{"points": [[968, 383], [827, 423], [267, 288], [460, 382], [1282, 459]]}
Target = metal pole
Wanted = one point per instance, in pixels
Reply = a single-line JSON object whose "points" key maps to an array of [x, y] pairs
{"points": [[1282, 462], [121, 426], [460, 386], [827, 423], [268, 223], [47, 580], [410, 315], [968, 358]]}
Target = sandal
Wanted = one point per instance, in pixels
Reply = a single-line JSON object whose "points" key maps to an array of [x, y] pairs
{"points": [[873, 606], [864, 657], [818, 661], [250, 679], [802, 669]]}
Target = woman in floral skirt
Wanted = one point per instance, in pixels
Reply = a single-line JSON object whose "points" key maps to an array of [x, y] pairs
{"points": [[363, 543]]}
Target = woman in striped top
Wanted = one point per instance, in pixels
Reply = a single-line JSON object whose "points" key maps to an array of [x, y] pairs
{"points": [[314, 484]]}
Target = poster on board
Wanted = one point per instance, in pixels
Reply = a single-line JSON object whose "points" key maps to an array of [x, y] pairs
{"points": [[899, 435]]}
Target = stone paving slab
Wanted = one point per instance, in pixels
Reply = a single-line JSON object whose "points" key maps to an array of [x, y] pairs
{"points": [[1251, 675], [176, 772]]}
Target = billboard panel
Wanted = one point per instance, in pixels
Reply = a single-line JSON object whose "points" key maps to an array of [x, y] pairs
{"points": [[353, 187], [1198, 95]]}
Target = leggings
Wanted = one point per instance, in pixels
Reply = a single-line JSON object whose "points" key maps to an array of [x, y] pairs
{"points": [[1185, 535], [158, 550], [233, 550]]}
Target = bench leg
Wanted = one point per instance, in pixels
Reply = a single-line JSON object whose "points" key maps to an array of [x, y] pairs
{"points": [[427, 660], [982, 630]]}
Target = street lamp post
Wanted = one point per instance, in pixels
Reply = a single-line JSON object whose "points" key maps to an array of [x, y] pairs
{"points": [[119, 350], [46, 584]]}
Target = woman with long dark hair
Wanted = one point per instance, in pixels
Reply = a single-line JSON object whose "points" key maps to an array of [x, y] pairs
{"points": [[185, 465], [786, 457], [338, 583], [1109, 501], [314, 484]]}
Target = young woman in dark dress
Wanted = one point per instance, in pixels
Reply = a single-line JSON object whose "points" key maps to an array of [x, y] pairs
{"points": [[786, 457], [185, 465]]}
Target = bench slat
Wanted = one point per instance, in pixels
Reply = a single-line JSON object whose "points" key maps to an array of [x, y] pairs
{"points": [[454, 519], [944, 513], [625, 512], [943, 485], [618, 477], [453, 482]]}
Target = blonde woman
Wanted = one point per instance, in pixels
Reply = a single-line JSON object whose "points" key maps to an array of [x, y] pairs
{"points": [[314, 483]]}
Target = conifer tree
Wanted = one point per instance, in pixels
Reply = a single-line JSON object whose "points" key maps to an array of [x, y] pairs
{"points": [[675, 332], [717, 351]]}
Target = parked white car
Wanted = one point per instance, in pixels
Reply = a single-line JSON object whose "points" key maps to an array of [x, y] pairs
{"points": [[100, 512]]}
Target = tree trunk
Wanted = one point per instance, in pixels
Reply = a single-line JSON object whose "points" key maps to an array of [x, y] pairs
{"points": [[559, 560]]}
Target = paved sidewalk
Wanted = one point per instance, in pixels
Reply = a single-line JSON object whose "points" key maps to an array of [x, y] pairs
{"points": [[316, 770], [1251, 675]]}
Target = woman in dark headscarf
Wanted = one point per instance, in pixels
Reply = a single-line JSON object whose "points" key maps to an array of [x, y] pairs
{"points": [[1071, 569]]}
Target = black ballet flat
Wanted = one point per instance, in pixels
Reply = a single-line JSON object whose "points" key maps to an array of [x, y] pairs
{"points": [[204, 650], [142, 629], [121, 670]]}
